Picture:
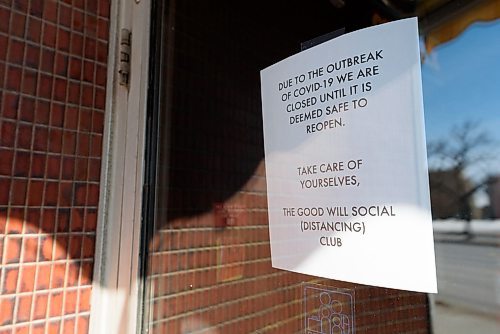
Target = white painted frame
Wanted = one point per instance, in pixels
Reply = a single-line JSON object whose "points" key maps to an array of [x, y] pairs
{"points": [[116, 279]]}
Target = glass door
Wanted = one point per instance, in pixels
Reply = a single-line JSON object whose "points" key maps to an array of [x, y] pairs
{"points": [[206, 259]]}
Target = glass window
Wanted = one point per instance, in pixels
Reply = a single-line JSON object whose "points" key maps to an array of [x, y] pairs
{"points": [[207, 261]]}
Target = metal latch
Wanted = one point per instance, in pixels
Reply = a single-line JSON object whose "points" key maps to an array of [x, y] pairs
{"points": [[124, 66]]}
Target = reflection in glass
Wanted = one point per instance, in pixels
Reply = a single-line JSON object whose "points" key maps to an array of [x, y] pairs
{"points": [[461, 78], [208, 261]]}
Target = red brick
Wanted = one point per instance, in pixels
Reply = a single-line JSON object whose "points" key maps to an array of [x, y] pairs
{"points": [[74, 92], [75, 246], [15, 221], [48, 60], [12, 250], [42, 112], [2, 64], [33, 218], [63, 37], [90, 48], [82, 324], [91, 26], [57, 115], [54, 327], [102, 29], [24, 135], [68, 326], [4, 19], [71, 118], [85, 298], [14, 75], [83, 147], [3, 49], [41, 303], [100, 99], [61, 249], [51, 193], [50, 11], [104, 8], [8, 134], [94, 169], [73, 274], [81, 169], [24, 308], [46, 248], [58, 275], [96, 146], [88, 247], [93, 195], [65, 16], [54, 161], [4, 191], [7, 307], [16, 52], [102, 52], [38, 162], [69, 142], [27, 110], [32, 56], [22, 166], [71, 301], [18, 192], [30, 246], [10, 105], [35, 193], [60, 89], [3, 220], [43, 277], [77, 50], [87, 96], [34, 29], [29, 82], [27, 279], [56, 304], [75, 68], [87, 269], [101, 75], [6, 163], [38, 329], [85, 123], [21, 5], [18, 24], [78, 21], [61, 64], [68, 168], [63, 217], [45, 86], [40, 141], [77, 216], [91, 220], [48, 220], [11, 278], [65, 194]]}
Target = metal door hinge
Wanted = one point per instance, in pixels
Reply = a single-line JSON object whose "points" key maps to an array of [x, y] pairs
{"points": [[124, 66]]}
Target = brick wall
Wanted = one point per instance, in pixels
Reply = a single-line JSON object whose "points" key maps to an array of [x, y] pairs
{"points": [[209, 263], [53, 58]]}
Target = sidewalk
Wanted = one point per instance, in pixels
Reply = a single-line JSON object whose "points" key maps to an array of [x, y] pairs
{"points": [[450, 320]]}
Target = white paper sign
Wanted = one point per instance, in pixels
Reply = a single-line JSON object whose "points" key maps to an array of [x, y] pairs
{"points": [[346, 164]]}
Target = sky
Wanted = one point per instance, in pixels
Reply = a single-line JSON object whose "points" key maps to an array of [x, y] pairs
{"points": [[461, 82]]}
